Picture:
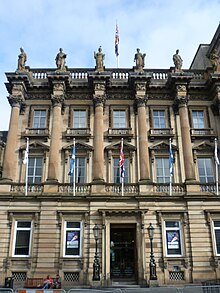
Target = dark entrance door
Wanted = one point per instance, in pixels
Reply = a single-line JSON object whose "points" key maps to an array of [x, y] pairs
{"points": [[123, 252]]}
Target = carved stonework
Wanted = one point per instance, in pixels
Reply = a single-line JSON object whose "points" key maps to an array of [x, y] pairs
{"points": [[37, 96], [99, 100], [182, 100], [140, 87], [57, 100], [16, 101], [181, 88], [141, 101], [59, 87], [99, 87]]}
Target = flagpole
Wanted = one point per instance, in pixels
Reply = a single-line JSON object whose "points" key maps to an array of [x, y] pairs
{"points": [[26, 173], [216, 165], [74, 169], [122, 172], [170, 166]]}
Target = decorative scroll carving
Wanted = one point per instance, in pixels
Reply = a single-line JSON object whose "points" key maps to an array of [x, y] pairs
{"points": [[59, 87], [140, 87]]}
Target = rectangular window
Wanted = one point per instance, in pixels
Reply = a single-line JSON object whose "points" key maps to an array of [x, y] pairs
{"points": [[79, 119], [173, 238], [80, 170], [159, 119], [22, 238], [117, 171], [35, 166], [72, 238], [119, 119], [205, 166], [198, 119], [39, 119], [162, 170], [216, 226]]}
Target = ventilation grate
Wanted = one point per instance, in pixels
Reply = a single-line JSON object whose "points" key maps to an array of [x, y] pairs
{"points": [[71, 277], [176, 276], [19, 276]]}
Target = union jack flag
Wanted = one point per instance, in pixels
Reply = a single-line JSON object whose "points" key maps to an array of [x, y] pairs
{"points": [[121, 161], [116, 40]]}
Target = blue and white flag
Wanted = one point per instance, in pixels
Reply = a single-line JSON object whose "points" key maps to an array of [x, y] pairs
{"points": [[72, 160], [216, 152], [171, 160], [26, 154]]}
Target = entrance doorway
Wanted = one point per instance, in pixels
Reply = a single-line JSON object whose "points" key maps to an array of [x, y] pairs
{"points": [[123, 258]]}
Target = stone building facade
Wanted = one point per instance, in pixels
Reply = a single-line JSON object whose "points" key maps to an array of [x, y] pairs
{"points": [[50, 230]]}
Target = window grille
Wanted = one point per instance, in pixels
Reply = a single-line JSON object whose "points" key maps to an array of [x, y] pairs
{"points": [[19, 276], [71, 277], [176, 276]]}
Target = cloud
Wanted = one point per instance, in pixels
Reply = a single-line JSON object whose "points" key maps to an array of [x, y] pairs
{"points": [[157, 27]]}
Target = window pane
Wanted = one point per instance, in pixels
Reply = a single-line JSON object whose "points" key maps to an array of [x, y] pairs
{"points": [[35, 169], [73, 225], [162, 170], [217, 223], [39, 119], [22, 224], [217, 240], [80, 170], [198, 119], [79, 119], [117, 171], [172, 224], [159, 119], [72, 246], [173, 242], [205, 167], [119, 119]]}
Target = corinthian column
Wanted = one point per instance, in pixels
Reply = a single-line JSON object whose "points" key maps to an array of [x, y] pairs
{"points": [[142, 139], [10, 159], [182, 100], [54, 157], [98, 166]]}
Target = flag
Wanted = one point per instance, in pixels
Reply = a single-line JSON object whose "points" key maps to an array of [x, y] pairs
{"points": [[216, 152], [25, 160], [72, 160], [116, 41], [171, 159], [121, 161]]}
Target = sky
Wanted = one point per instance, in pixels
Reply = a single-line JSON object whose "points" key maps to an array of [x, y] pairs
{"points": [[157, 27]]}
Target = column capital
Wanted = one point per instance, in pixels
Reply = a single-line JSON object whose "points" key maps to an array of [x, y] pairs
{"points": [[141, 101], [16, 100], [99, 100], [57, 100]]}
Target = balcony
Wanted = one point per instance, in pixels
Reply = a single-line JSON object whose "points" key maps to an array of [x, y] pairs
{"points": [[160, 133], [120, 133], [164, 188], [201, 133], [36, 133], [82, 133]]}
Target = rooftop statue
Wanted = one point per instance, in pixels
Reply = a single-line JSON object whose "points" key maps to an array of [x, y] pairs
{"points": [[99, 56], [60, 61], [178, 61], [214, 58], [22, 57], [139, 58]]}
